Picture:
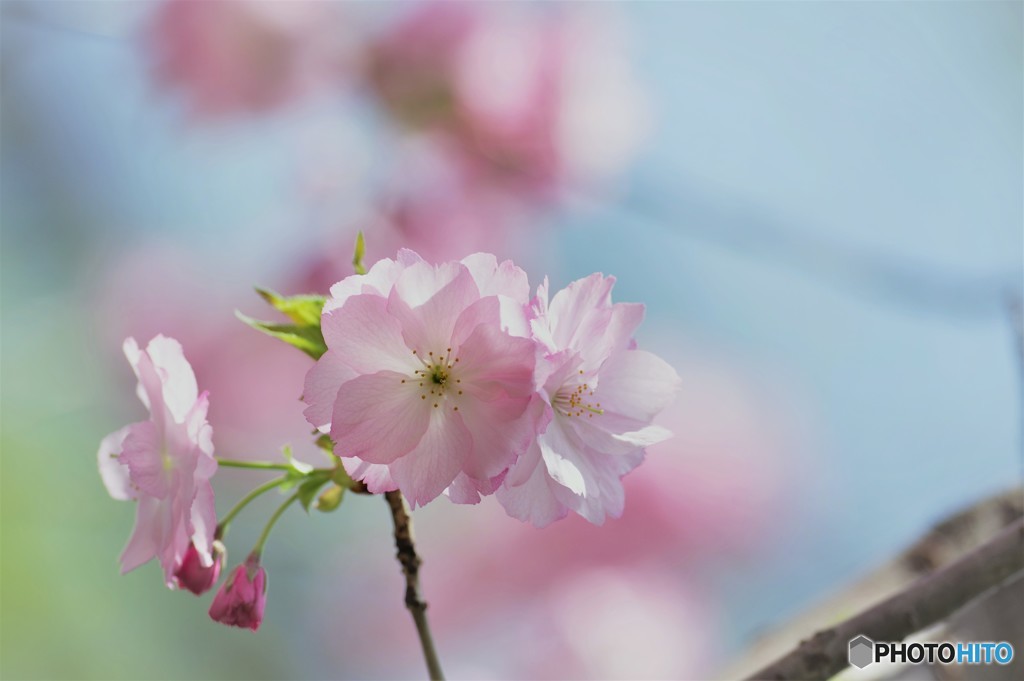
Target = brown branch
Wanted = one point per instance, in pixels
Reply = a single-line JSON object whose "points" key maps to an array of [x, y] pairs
{"points": [[410, 561], [948, 540], [924, 603], [962, 532], [359, 487]]}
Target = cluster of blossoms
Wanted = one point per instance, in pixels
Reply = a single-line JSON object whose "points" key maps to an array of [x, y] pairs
{"points": [[432, 379], [451, 379], [508, 105], [530, 98]]}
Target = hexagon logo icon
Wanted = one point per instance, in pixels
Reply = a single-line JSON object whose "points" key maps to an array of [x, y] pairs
{"points": [[862, 651]]}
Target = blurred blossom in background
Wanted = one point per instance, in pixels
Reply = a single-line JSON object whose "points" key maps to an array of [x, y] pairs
{"points": [[820, 205]]}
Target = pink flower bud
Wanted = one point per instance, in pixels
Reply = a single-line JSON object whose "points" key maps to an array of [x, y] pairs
{"points": [[195, 576], [241, 600]]}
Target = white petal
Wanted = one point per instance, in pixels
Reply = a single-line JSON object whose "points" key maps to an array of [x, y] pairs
{"points": [[114, 473], [636, 384]]}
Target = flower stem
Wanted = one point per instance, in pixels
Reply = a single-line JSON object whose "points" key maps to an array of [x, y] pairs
{"points": [[222, 526], [258, 549], [256, 465], [410, 561]]}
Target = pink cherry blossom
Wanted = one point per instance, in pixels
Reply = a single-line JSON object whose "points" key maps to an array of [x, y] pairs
{"points": [[231, 56], [424, 385], [241, 600], [535, 98], [601, 395], [164, 463]]}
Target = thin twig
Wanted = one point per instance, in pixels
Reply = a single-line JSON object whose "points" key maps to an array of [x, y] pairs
{"points": [[254, 465], [924, 603], [222, 526], [410, 560]]}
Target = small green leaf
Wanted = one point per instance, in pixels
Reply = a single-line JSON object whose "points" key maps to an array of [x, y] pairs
{"points": [[308, 489], [330, 499], [309, 339], [304, 310], [357, 257], [293, 479]]}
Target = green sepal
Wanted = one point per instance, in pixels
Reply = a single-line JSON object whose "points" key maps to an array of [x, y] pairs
{"points": [[304, 310], [308, 489], [309, 339], [325, 443], [297, 466], [339, 475], [357, 256], [330, 499], [297, 471]]}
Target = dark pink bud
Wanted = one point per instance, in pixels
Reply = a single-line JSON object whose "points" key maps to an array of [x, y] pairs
{"points": [[195, 576], [242, 598]]}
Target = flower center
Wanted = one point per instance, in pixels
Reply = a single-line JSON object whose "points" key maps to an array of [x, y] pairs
{"points": [[166, 460], [437, 379], [569, 401]]}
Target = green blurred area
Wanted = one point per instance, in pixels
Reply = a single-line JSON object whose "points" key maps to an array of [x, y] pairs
{"points": [[66, 611]]}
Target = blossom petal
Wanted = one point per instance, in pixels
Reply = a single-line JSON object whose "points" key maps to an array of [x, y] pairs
{"points": [[636, 384], [378, 280], [615, 333], [429, 326], [465, 490], [116, 477], [607, 496], [427, 470], [501, 428], [614, 442], [204, 522], [509, 283], [176, 376], [533, 501], [560, 458], [378, 418], [149, 389], [364, 335], [493, 363], [580, 310], [522, 470], [493, 279], [152, 528], [143, 453], [421, 281], [482, 311], [376, 476], [321, 388], [200, 435]]}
